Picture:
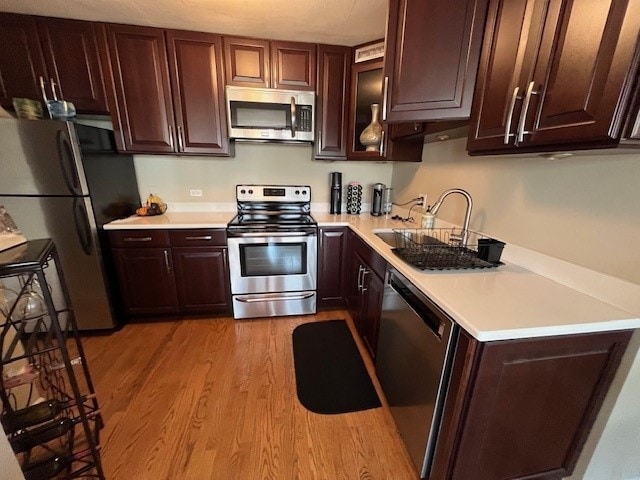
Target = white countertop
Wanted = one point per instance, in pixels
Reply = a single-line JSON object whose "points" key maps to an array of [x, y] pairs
{"points": [[507, 302], [173, 220]]}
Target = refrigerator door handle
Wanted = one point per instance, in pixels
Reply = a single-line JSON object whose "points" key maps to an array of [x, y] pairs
{"points": [[67, 163], [83, 228]]}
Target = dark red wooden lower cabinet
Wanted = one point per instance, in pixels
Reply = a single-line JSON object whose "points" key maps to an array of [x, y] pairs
{"points": [[522, 409]]}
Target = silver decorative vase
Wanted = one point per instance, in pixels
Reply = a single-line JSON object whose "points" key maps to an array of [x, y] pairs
{"points": [[372, 134]]}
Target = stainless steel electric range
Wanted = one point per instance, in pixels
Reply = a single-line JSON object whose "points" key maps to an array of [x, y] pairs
{"points": [[273, 243]]}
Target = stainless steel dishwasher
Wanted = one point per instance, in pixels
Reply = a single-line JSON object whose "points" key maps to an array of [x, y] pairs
{"points": [[413, 363]]}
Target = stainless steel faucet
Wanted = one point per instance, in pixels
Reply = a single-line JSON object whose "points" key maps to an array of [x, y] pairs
{"points": [[467, 216]]}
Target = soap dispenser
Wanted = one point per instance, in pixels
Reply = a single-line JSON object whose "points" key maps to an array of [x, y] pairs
{"points": [[428, 218]]}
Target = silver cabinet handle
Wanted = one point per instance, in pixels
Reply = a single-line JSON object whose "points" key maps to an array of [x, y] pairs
{"points": [[293, 117], [365, 271], [523, 115], [44, 92], [360, 270], [385, 93], [137, 239], [319, 141], [507, 127], [203, 237], [166, 260], [53, 89], [171, 137], [381, 148], [180, 139]]}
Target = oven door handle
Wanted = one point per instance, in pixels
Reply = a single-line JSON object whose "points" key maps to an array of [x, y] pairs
{"points": [[272, 234], [274, 299]]}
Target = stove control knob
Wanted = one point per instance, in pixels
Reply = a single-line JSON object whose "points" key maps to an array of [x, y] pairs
{"points": [[304, 192], [297, 192], [250, 192], [243, 191]]}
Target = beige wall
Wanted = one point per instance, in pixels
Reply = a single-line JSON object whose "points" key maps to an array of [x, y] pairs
{"points": [[171, 177], [583, 209]]}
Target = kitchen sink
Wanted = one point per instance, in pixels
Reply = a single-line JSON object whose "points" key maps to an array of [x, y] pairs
{"points": [[411, 237]]}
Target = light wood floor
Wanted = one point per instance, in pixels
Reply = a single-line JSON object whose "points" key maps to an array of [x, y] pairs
{"points": [[216, 399]]}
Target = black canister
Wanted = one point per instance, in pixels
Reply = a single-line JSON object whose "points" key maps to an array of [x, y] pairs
{"points": [[376, 199], [336, 192]]}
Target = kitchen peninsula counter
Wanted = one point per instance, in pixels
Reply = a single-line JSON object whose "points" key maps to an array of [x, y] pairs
{"points": [[508, 302]]}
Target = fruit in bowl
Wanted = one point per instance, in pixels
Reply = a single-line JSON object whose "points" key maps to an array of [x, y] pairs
{"points": [[153, 206]]}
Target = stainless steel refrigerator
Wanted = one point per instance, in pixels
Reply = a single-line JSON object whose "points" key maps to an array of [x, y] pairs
{"points": [[63, 181]]}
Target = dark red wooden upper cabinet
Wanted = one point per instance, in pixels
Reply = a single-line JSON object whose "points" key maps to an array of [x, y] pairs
{"points": [[141, 80], [21, 60], [293, 65], [554, 74], [332, 103], [431, 59], [197, 84], [247, 62], [71, 50]]}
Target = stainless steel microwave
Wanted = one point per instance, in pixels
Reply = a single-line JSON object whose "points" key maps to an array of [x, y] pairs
{"points": [[267, 114]]}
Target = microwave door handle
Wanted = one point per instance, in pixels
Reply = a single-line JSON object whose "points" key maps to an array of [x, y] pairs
{"points": [[293, 117]]}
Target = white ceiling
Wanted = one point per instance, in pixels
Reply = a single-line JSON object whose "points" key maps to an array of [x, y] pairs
{"points": [[340, 22]]}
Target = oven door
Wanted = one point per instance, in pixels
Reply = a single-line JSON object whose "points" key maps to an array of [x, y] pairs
{"points": [[272, 262]]}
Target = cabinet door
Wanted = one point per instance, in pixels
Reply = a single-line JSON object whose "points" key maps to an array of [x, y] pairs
{"points": [[73, 62], [373, 291], [353, 287], [197, 85], [202, 278], [331, 266], [247, 62], [293, 66], [506, 61], [524, 408], [146, 280], [431, 59], [582, 78], [21, 61], [554, 73], [366, 89], [140, 74], [333, 101]]}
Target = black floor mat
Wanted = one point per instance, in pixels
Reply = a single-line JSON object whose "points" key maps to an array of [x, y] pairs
{"points": [[330, 374]]}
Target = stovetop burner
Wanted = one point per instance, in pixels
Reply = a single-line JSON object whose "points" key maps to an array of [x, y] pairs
{"points": [[273, 207], [303, 219]]}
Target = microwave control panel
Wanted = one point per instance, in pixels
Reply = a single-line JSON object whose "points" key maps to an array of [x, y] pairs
{"points": [[304, 118]]}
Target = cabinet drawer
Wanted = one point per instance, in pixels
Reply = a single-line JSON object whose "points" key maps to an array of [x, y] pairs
{"points": [[139, 238], [198, 238], [375, 261]]}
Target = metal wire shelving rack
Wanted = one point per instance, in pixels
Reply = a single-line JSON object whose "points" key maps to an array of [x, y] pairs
{"points": [[49, 409]]}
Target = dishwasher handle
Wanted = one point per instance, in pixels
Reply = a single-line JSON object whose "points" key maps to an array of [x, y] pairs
{"points": [[428, 316]]}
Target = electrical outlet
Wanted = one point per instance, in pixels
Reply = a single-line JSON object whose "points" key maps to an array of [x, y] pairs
{"points": [[423, 199], [195, 192]]}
